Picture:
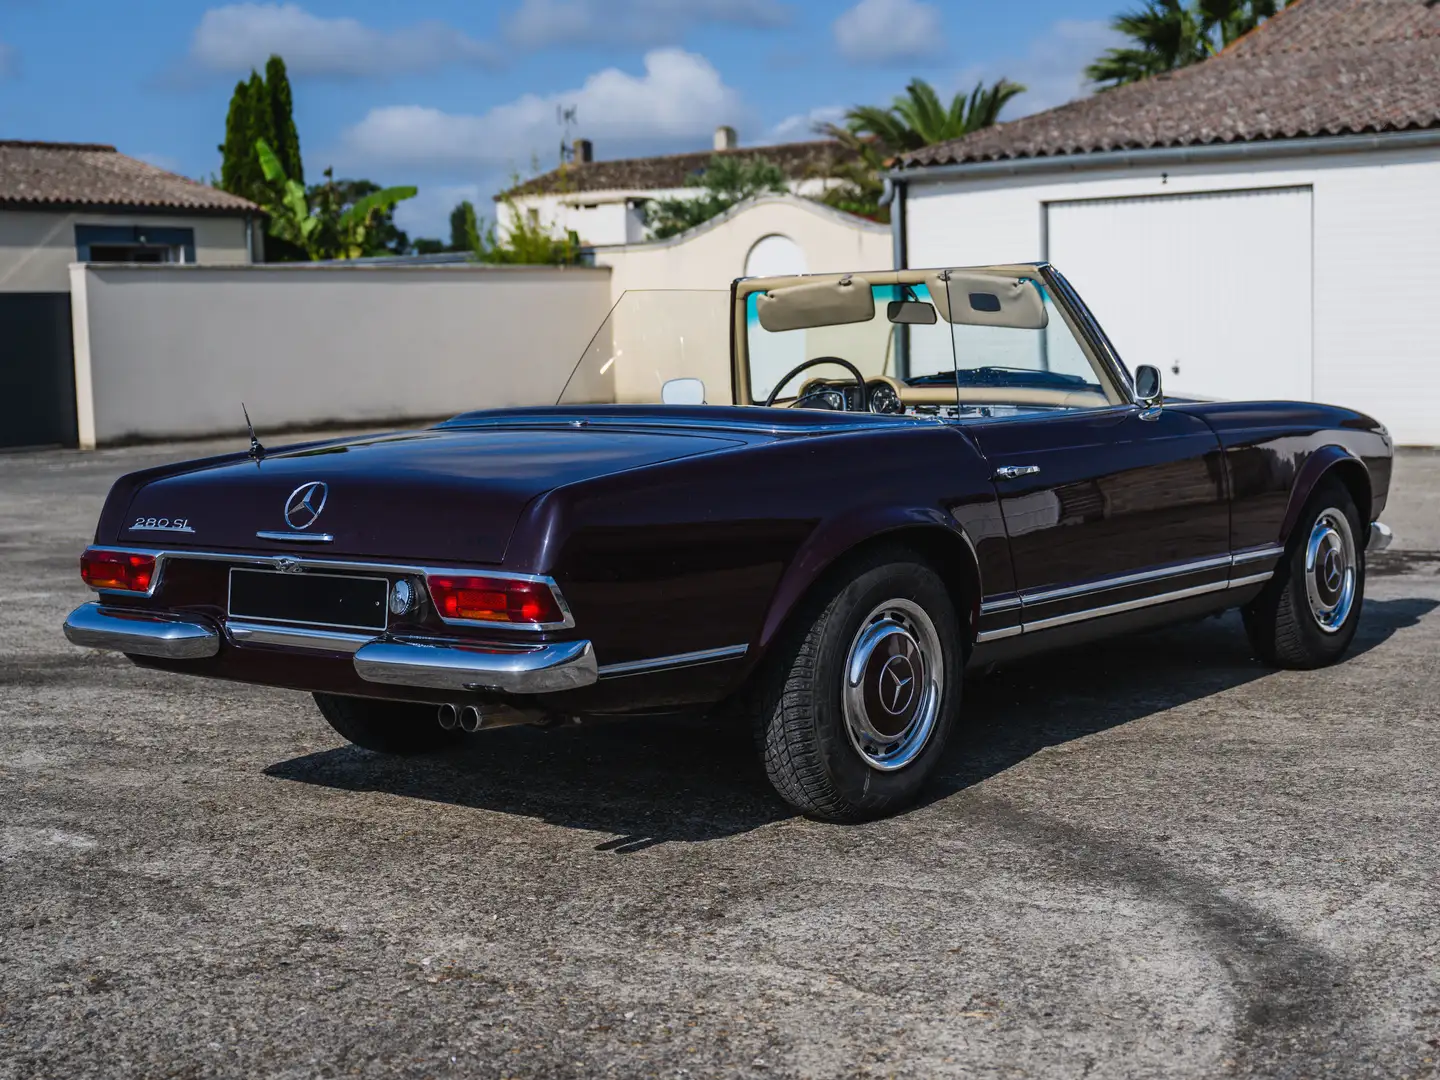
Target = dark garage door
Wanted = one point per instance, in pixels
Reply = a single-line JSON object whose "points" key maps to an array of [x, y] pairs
{"points": [[37, 370]]}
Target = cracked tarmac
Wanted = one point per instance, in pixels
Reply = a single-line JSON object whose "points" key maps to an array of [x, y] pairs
{"points": [[1151, 857]]}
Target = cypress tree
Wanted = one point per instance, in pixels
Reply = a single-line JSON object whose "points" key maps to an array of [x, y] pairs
{"points": [[282, 114], [235, 152]]}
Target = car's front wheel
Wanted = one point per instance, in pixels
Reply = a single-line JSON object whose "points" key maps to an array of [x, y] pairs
{"points": [[856, 705], [1308, 613], [386, 727]]}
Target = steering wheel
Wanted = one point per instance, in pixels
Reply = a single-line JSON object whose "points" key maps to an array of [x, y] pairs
{"points": [[859, 379]]}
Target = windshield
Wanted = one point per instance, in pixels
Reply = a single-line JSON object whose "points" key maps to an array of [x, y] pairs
{"points": [[651, 337], [987, 341]]}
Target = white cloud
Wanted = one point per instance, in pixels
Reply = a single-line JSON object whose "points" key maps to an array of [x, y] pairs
{"points": [[9, 61], [679, 98], [238, 37], [646, 22], [890, 32], [801, 126], [1053, 67]]}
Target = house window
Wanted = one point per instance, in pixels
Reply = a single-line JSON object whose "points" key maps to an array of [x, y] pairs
{"points": [[134, 243]]}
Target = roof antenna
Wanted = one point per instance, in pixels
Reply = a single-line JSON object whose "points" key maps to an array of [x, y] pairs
{"points": [[257, 450]]}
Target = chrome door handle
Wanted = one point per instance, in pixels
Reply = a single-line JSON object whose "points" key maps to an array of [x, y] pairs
{"points": [[1011, 472]]}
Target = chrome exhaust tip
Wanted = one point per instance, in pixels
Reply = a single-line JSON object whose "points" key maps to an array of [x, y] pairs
{"points": [[471, 718], [449, 716]]}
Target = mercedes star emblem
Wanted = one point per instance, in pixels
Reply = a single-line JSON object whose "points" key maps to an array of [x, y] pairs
{"points": [[897, 684], [305, 504]]}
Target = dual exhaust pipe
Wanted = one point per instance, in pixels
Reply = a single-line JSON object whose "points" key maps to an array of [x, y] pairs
{"points": [[471, 718], [465, 717]]}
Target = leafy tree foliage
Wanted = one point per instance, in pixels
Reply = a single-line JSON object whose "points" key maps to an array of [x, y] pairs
{"points": [[876, 134], [1169, 34], [342, 219], [727, 180], [919, 118], [282, 119]]}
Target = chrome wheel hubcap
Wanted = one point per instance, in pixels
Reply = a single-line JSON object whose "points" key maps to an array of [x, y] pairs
{"points": [[894, 680], [1330, 566]]}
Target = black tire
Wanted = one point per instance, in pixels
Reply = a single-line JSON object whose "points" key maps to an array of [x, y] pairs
{"points": [[813, 753], [1284, 627], [386, 727]]}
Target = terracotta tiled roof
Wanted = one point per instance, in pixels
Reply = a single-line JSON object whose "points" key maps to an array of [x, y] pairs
{"points": [[1320, 67], [799, 161], [93, 175]]}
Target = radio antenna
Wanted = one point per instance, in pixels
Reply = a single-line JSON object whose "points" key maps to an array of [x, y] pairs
{"points": [[257, 450]]}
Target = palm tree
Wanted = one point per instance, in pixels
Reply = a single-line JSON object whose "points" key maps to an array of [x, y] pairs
{"points": [[919, 118], [1169, 34]]}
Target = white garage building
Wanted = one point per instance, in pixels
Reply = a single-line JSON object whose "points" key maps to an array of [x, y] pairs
{"points": [[1262, 225]]}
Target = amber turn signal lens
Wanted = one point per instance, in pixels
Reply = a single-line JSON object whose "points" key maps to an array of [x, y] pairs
{"points": [[497, 600], [122, 570]]}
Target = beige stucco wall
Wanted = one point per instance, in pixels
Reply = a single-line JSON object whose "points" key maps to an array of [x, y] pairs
{"points": [[37, 247], [710, 257], [173, 350]]}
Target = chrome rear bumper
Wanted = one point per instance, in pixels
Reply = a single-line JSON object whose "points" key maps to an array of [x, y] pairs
{"points": [[1380, 536], [539, 669], [141, 633], [514, 669]]}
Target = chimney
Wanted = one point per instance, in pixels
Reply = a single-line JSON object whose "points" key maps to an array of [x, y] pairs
{"points": [[725, 138], [584, 151]]}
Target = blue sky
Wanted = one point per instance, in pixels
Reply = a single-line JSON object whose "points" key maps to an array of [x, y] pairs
{"points": [[455, 97]]}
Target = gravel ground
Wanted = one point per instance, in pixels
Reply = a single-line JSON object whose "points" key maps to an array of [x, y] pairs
{"points": [[1149, 858]]}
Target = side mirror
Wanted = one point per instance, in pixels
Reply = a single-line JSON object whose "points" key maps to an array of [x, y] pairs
{"points": [[1148, 392], [683, 392]]}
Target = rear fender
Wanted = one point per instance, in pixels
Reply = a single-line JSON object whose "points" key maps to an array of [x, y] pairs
{"points": [[1327, 461], [924, 527]]}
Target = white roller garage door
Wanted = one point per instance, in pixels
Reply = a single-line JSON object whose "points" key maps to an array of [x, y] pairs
{"points": [[1213, 289]]}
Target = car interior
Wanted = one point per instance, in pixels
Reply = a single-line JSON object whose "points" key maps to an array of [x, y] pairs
{"points": [[988, 341]]}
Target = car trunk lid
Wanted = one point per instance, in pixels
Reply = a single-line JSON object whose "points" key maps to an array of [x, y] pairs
{"points": [[452, 495]]}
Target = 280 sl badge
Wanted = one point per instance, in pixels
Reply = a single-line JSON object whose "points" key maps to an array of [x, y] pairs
{"points": [[161, 524]]}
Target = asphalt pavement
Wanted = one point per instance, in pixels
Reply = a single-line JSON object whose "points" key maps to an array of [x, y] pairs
{"points": [[1152, 857]]}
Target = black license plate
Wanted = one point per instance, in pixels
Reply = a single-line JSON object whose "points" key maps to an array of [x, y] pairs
{"points": [[317, 599]]}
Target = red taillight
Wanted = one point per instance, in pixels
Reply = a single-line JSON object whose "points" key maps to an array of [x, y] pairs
{"points": [[497, 600], [122, 570]]}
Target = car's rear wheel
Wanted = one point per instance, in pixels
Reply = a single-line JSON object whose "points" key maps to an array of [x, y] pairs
{"points": [[857, 703], [1309, 611], [386, 727]]}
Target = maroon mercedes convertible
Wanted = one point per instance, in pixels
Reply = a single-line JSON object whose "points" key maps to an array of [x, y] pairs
{"points": [[815, 498]]}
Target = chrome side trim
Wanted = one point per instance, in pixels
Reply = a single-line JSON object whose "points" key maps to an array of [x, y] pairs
{"points": [[142, 633], [989, 607], [307, 538], [678, 660], [298, 637], [1253, 579], [1274, 551], [310, 562], [1140, 578], [1128, 605], [998, 635], [541, 669]]}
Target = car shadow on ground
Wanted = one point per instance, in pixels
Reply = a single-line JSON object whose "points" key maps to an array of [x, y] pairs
{"points": [[646, 782]]}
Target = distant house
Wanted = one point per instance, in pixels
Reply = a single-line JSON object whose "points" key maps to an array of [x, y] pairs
{"points": [[603, 201], [1261, 225], [62, 203]]}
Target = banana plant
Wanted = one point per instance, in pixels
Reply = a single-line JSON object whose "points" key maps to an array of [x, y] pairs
{"points": [[290, 217], [325, 231]]}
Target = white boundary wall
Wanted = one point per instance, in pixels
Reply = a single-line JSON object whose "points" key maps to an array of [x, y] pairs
{"points": [[164, 351], [1376, 242]]}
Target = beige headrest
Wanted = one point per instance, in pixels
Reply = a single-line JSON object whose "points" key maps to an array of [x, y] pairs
{"points": [[828, 303], [987, 300]]}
